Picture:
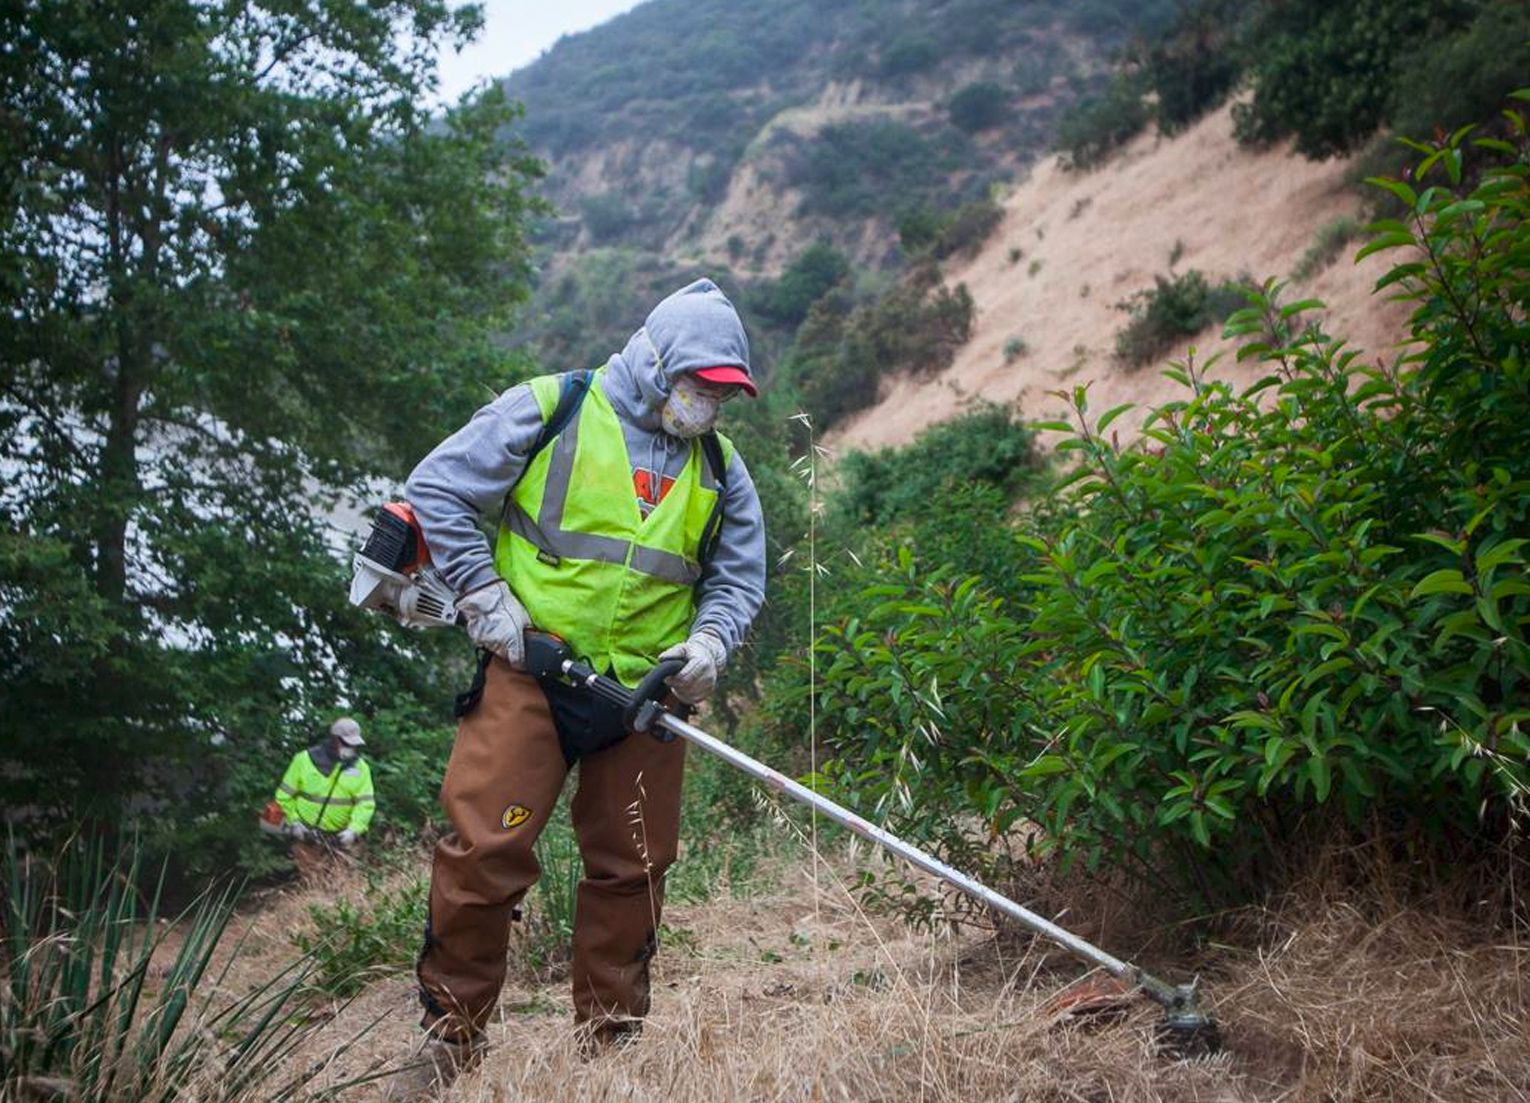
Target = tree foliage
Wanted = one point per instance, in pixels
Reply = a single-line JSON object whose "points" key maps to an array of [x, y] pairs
{"points": [[1306, 603], [245, 271], [1325, 72]]}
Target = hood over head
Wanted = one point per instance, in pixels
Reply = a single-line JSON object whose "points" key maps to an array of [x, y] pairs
{"points": [[694, 328]]}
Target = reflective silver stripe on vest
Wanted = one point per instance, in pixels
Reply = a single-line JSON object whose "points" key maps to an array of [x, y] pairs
{"points": [[334, 802], [549, 535]]}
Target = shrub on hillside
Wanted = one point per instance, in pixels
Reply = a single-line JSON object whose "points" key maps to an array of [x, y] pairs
{"points": [[843, 349], [989, 445], [908, 54], [923, 232], [1090, 132], [807, 279], [607, 216], [1174, 308], [1445, 84], [978, 107], [1294, 610], [1326, 246], [863, 168]]}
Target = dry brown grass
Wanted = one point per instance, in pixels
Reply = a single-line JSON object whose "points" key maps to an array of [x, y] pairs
{"points": [[1336, 994]]}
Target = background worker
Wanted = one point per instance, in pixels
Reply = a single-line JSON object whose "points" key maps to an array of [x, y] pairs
{"points": [[326, 795], [635, 533]]}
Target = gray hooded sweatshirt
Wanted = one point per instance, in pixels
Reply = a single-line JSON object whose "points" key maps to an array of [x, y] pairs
{"points": [[471, 472]]}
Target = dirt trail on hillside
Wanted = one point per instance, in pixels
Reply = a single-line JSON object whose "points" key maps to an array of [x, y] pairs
{"points": [[797, 994], [1095, 238]]}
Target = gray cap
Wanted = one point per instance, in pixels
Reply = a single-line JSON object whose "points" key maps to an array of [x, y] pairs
{"points": [[348, 732]]}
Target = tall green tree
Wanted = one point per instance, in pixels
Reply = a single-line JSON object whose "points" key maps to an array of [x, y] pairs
{"points": [[246, 269], [1325, 70]]}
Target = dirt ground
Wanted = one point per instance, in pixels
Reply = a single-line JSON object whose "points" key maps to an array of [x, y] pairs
{"points": [[794, 992]]}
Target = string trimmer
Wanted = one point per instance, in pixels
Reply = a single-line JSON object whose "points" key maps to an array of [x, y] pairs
{"points": [[392, 562]]}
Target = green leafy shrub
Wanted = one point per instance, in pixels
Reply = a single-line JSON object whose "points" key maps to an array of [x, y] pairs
{"points": [[1449, 82], [909, 54], [978, 107], [1176, 307], [924, 233], [607, 216], [1034, 72], [352, 945], [1196, 64], [865, 168], [968, 228], [1297, 609], [708, 177], [407, 750]]}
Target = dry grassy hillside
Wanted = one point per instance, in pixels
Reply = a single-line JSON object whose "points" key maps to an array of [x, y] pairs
{"points": [[1089, 240], [791, 991]]}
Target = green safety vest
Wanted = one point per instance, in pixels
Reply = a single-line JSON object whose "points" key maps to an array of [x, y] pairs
{"points": [[340, 799], [618, 587]]}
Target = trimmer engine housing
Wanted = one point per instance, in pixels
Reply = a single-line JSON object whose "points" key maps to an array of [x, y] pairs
{"points": [[393, 573]]}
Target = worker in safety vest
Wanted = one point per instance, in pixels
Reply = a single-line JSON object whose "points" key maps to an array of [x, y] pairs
{"points": [[635, 534], [326, 794]]}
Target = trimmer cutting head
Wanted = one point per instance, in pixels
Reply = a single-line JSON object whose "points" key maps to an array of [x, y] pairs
{"points": [[1186, 1031]]}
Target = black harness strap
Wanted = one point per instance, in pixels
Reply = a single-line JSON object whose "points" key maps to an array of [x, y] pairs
{"points": [[711, 447], [575, 386]]}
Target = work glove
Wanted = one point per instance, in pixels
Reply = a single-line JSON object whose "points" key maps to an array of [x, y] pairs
{"points": [[497, 622], [347, 837], [705, 656]]}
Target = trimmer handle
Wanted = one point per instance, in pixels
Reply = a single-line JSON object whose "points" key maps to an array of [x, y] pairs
{"points": [[545, 654], [639, 714]]}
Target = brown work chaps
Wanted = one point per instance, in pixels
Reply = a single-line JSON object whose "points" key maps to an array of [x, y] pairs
{"points": [[507, 768]]}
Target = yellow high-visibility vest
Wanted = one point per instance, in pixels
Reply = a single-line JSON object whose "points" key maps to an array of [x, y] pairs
{"points": [[581, 557], [340, 799]]}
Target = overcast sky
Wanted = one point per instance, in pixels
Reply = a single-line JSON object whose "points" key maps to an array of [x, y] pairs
{"points": [[515, 32]]}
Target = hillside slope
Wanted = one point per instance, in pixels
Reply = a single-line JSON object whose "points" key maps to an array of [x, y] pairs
{"points": [[736, 134], [1087, 241]]}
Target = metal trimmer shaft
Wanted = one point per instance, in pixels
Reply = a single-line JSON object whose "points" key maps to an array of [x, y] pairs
{"points": [[1172, 997], [1188, 1031]]}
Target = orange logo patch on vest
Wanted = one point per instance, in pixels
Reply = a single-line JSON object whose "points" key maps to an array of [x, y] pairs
{"points": [[514, 816]]}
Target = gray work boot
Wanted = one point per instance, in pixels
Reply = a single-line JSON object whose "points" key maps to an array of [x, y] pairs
{"points": [[432, 1068]]}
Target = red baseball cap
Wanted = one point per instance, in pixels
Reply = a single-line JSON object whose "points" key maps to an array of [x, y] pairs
{"points": [[729, 374]]}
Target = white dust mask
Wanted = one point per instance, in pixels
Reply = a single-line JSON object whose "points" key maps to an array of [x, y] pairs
{"points": [[690, 410]]}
